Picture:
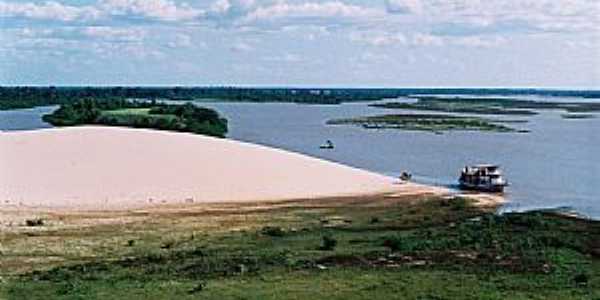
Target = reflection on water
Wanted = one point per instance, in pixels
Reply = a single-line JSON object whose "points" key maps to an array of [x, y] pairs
{"points": [[556, 165]]}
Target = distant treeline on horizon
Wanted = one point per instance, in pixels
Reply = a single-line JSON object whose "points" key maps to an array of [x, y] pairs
{"points": [[14, 97]]}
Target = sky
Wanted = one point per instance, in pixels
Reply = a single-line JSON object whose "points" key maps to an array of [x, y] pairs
{"points": [[338, 43]]}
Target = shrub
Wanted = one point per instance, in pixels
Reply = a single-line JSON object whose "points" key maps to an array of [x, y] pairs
{"points": [[168, 245], [34, 222], [273, 231], [393, 243], [459, 203], [328, 244]]}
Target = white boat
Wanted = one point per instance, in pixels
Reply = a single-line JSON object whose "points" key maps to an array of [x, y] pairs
{"points": [[486, 178]]}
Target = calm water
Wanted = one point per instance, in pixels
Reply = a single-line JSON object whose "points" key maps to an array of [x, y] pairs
{"points": [[24, 119], [556, 165]]}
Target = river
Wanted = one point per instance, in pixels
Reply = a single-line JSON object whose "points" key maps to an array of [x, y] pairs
{"points": [[556, 165]]}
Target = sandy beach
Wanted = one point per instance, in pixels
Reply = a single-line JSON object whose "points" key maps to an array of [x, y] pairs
{"points": [[109, 168]]}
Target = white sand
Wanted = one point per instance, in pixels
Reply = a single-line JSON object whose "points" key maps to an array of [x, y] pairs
{"points": [[97, 168]]}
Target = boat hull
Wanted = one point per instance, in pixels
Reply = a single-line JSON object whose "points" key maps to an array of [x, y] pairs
{"points": [[493, 188]]}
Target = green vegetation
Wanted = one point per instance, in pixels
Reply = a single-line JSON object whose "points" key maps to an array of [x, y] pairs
{"points": [[184, 118], [427, 122], [488, 106], [418, 249], [25, 97], [456, 106]]}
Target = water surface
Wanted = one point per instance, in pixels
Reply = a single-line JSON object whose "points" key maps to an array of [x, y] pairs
{"points": [[24, 119], [555, 165]]}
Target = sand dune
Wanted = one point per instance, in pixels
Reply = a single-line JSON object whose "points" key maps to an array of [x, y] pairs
{"points": [[117, 168]]}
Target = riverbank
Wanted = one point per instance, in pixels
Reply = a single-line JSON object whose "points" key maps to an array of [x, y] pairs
{"points": [[113, 168]]}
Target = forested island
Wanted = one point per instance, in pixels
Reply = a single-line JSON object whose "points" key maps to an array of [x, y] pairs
{"points": [[28, 96], [428, 122], [140, 114], [573, 116]]}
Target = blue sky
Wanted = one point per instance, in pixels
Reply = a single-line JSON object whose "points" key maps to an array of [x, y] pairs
{"points": [[400, 43]]}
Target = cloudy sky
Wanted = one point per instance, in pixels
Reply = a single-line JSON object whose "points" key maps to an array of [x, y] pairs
{"points": [[404, 43]]}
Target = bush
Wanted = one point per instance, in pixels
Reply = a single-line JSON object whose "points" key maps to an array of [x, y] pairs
{"points": [[393, 243], [459, 203], [328, 244], [275, 231], [34, 222], [167, 245]]}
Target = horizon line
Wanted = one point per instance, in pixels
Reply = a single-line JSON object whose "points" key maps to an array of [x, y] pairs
{"points": [[300, 86]]}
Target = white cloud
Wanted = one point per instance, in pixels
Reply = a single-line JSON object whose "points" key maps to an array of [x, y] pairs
{"points": [[381, 39], [223, 7], [480, 42], [160, 10], [286, 58], [543, 15], [163, 10], [420, 39], [115, 34], [370, 57], [308, 32], [404, 6], [50, 10], [135, 51], [241, 47], [89, 33], [180, 41], [384, 39], [331, 9]]}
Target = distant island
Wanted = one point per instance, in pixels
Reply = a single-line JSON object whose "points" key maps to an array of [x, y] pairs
{"points": [[140, 114], [428, 122], [31, 96], [488, 105], [573, 116]]}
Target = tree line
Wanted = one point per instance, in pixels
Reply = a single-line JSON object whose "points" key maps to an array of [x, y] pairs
{"points": [[31, 96]]}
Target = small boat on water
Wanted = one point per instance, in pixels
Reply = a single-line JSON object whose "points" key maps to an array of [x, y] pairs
{"points": [[486, 178], [328, 145]]}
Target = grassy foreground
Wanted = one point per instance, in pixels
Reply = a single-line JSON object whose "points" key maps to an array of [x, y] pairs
{"points": [[347, 248]]}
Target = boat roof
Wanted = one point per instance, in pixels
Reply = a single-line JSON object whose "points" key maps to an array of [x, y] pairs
{"points": [[485, 166]]}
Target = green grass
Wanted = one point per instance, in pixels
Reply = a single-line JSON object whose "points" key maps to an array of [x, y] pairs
{"points": [[126, 115], [433, 249], [128, 111], [341, 283]]}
